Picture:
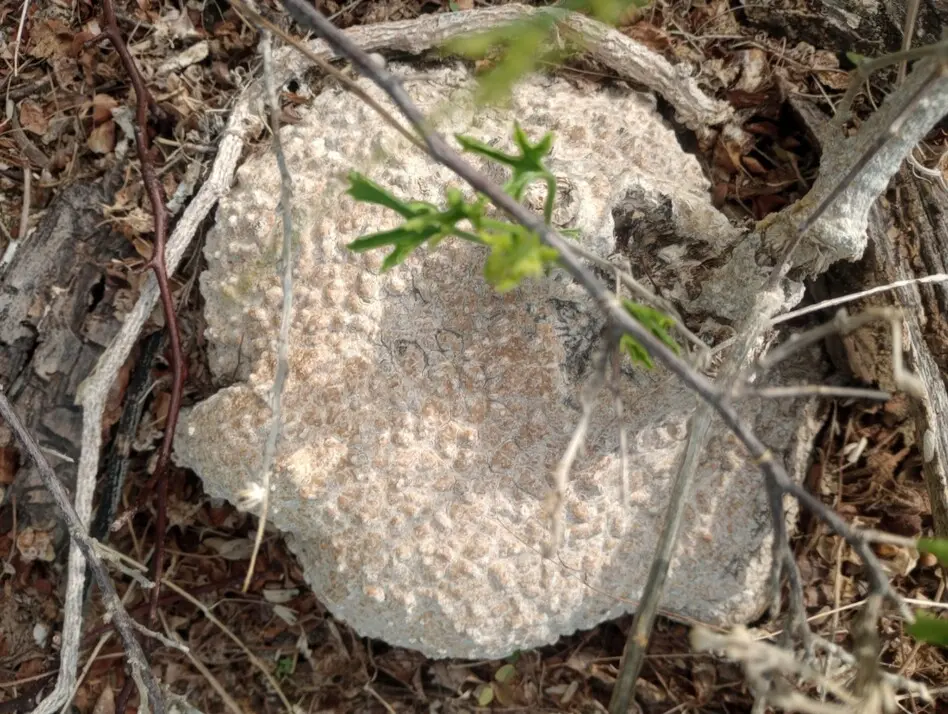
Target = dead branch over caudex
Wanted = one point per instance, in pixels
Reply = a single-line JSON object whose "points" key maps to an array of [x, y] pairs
{"points": [[716, 400], [715, 397]]}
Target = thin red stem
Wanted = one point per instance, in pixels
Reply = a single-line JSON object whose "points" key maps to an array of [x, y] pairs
{"points": [[143, 101]]}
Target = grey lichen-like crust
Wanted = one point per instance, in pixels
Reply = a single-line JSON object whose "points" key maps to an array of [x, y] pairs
{"points": [[424, 413]]}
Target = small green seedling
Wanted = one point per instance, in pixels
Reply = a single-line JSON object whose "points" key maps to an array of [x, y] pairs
{"points": [[658, 323], [516, 253], [929, 628]]}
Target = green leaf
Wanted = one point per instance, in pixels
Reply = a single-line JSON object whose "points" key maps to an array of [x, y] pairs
{"points": [[469, 143], [856, 58], [284, 667], [400, 253], [936, 546], [658, 323], [485, 695], [928, 628], [505, 674], [367, 191], [637, 354], [526, 167], [515, 254]]}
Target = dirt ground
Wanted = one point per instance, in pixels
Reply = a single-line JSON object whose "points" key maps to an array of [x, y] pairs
{"points": [[61, 87]]}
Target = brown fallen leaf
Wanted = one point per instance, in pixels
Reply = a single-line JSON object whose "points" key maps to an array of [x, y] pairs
{"points": [[102, 106], [105, 704], [9, 461], [32, 118], [35, 545], [102, 138]]}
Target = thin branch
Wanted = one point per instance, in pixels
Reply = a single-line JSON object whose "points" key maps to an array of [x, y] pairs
{"points": [[222, 692], [286, 263], [556, 499], [633, 655], [77, 532], [867, 67], [157, 264], [27, 199], [841, 324], [816, 390], [206, 611], [19, 38], [762, 660], [852, 297]]}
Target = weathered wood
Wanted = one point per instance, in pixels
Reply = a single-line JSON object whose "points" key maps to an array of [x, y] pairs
{"points": [[56, 315], [870, 27], [909, 239]]}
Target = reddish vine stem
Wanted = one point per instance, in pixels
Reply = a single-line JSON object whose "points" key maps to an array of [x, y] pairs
{"points": [[144, 101]]}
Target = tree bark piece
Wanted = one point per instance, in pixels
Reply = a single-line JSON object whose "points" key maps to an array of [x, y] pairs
{"points": [[870, 27], [56, 315], [910, 240]]}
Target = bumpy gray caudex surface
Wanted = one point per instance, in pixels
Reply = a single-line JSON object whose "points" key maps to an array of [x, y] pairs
{"points": [[424, 413]]}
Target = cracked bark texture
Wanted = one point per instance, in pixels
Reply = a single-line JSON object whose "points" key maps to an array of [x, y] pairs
{"points": [[908, 238], [424, 412], [57, 312], [870, 27]]}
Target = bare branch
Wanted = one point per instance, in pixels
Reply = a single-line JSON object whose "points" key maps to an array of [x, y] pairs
{"points": [[84, 544], [816, 390], [852, 297]]}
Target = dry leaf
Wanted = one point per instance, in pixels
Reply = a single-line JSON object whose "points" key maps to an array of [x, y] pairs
{"points": [[33, 118], [102, 106], [35, 545], [753, 165], [50, 40], [178, 61], [754, 70], [102, 138], [105, 704], [230, 548], [9, 460]]}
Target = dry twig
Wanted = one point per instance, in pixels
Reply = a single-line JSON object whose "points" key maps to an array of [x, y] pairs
{"points": [[137, 662], [286, 311]]}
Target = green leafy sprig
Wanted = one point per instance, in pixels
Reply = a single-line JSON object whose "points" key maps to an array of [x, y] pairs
{"points": [[516, 253], [517, 48]]}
